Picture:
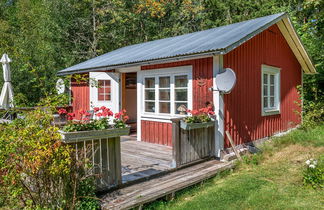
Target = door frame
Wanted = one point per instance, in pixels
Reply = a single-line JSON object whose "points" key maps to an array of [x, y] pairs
{"points": [[114, 104]]}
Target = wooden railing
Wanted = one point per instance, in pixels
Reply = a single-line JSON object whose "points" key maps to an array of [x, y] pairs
{"points": [[190, 146], [104, 158], [101, 149]]}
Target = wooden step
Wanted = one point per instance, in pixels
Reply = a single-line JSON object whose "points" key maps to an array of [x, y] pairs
{"points": [[147, 191]]}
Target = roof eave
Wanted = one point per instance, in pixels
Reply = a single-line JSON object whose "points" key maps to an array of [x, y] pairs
{"points": [[288, 31], [142, 63]]}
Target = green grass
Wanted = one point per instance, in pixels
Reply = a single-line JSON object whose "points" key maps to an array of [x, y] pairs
{"points": [[271, 180]]}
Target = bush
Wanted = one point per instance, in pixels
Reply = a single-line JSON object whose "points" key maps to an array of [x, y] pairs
{"points": [[313, 113], [313, 107], [314, 172], [37, 170]]}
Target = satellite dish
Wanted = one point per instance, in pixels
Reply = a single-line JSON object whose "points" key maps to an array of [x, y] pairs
{"points": [[225, 81], [60, 86]]}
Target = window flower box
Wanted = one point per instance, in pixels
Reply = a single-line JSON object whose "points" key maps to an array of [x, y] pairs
{"points": [[76, 136], [191, 126]]}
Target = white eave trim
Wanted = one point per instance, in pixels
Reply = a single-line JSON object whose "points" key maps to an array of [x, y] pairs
{"points": [[288, 31]]}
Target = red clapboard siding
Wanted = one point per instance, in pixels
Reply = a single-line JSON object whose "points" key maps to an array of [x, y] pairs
{"points": [[243, 105], [156, 132], [80, 94], [161, 133]]}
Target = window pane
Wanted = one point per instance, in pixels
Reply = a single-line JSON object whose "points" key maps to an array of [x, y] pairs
{"points": [[149, 94], [272, 79], [164, 82], [271, 101], [107, 97], [265, 90], [149, 82], [165, 95], [180, 108], [271, 90], [181, 81], [164, 107], [265, 79], [149, 107], [101, 97], [265, 102], [181, 95], [107, 83]]}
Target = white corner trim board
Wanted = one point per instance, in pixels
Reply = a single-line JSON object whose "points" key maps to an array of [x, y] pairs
{"points": [[218, 101]]}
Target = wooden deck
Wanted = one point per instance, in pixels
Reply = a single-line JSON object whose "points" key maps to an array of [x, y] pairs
{"points": [[147, 191], [141, 160]]}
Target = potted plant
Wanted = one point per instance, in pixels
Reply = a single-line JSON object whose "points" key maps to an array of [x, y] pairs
{"points": [[105, 124], [198, 119]]}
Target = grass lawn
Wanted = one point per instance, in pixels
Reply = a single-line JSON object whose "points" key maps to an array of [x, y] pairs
{"points": [[270, 180]]}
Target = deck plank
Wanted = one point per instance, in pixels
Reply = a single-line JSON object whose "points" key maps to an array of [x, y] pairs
{"points": [[142, 160]]}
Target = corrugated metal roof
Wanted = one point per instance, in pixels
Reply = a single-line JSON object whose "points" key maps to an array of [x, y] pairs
{"points": [[216, 40]]}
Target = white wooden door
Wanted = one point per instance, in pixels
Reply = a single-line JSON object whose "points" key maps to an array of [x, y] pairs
{"points": [[105, 92]]}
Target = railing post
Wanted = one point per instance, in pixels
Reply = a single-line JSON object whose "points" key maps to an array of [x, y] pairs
{"points": [[176, 153]]}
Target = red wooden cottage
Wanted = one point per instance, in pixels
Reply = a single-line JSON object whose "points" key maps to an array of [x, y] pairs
{"points": [[152, 79]]}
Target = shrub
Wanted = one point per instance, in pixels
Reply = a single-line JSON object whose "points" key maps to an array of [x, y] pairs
{"points": [[37, 170], [314, 172], [312, 108]]}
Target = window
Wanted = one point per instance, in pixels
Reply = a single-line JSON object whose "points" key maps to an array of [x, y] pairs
{"points": [[180, 93], [164, 95], [270, 90], [167, 92], [104, 90], [149, 94]]}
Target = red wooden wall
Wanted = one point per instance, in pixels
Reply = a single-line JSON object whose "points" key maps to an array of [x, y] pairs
{"points": [[156, 132], [243, 105], [80, 94], [202, 80]]}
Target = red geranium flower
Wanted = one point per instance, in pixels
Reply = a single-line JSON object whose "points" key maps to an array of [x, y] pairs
{"points": [[194, 112], [117, 115], [103, 108], [70, 116], [82, 112], [96, 109], [62, 111]]}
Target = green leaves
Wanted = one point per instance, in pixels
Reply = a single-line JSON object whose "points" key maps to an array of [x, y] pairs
{"points": [[33, 159]]}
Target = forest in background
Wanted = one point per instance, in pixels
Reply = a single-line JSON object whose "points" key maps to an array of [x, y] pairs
{"points": [[45, 36]]}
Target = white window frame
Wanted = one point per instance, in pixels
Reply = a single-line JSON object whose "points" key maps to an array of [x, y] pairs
{"points": [[104, 87], [171, 72], [270, 70]]}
